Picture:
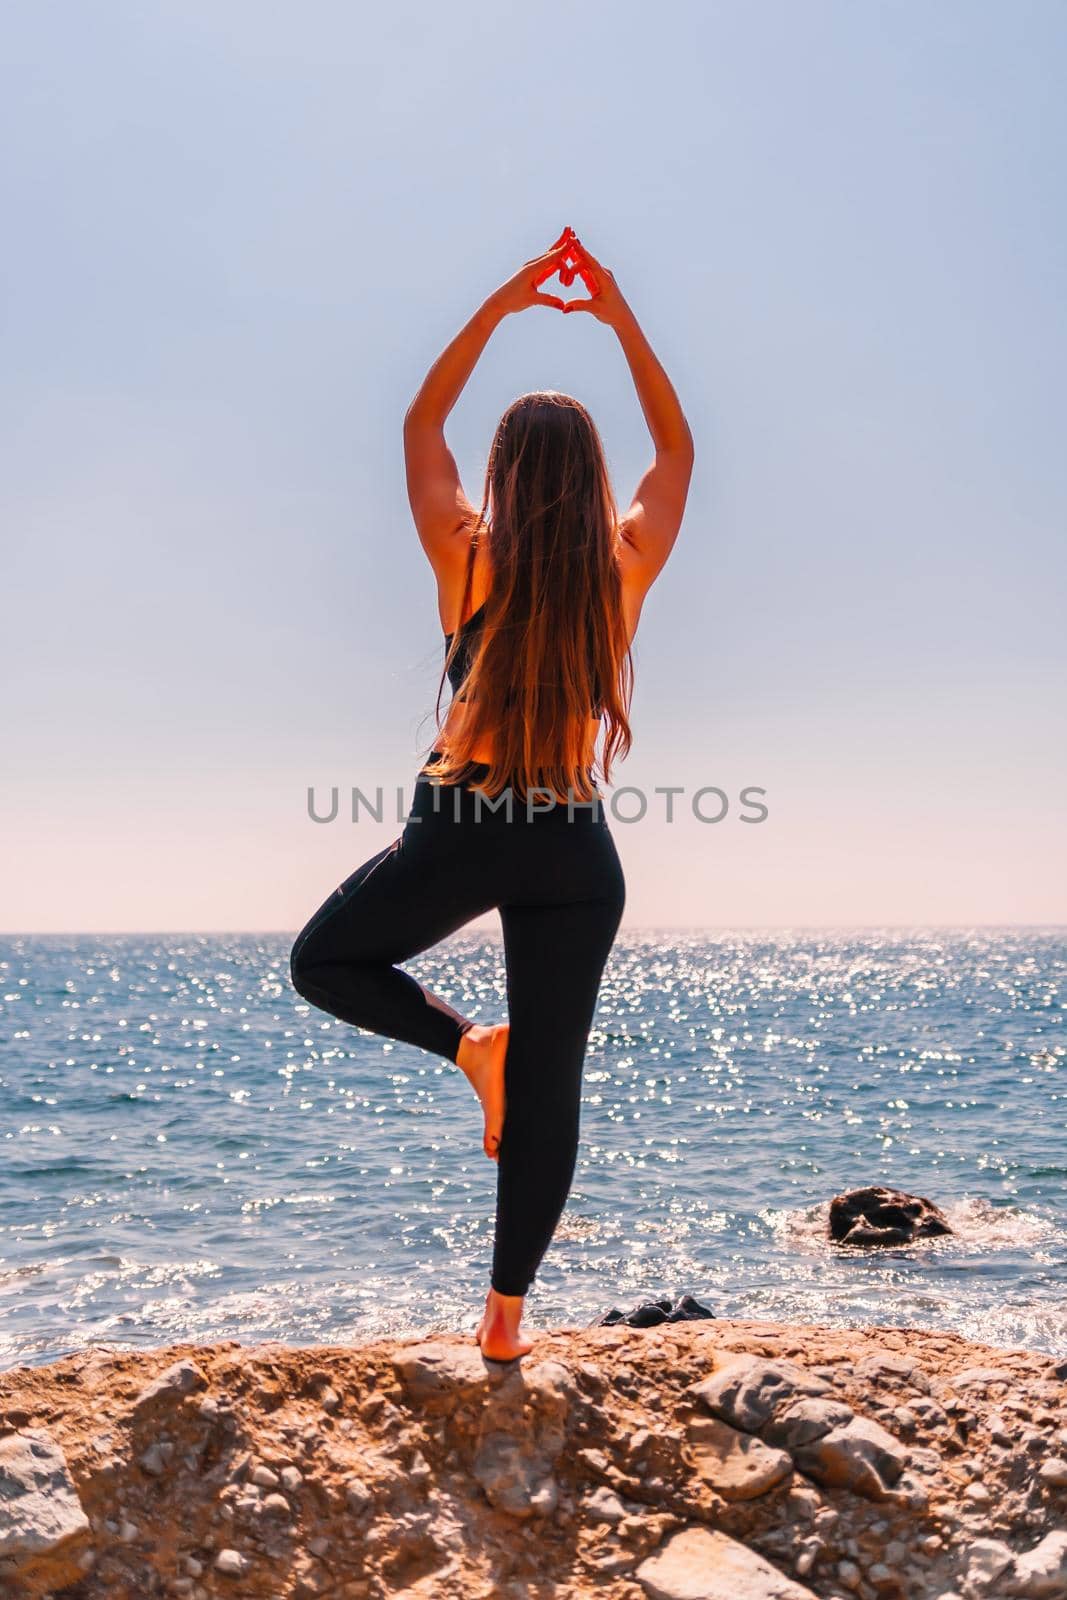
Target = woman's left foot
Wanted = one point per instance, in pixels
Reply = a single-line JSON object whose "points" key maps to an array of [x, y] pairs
{"points": [[498, 1333], [481, 1057]]}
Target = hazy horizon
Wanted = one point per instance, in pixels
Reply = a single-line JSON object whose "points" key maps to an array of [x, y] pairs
{"points": [[485, 925]]}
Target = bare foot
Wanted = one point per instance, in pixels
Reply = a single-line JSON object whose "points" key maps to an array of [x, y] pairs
{"points": [[482, 1052], [498, 1332]]}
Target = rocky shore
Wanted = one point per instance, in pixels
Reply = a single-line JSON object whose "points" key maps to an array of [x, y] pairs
{"points": [[707, 1460]]}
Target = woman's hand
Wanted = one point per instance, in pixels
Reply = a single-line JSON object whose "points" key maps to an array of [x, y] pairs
{"points": [[605, 301], [523, 289]]}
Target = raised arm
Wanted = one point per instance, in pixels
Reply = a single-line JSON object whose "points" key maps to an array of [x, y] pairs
{"points": [[443, 514], [650, 526]]}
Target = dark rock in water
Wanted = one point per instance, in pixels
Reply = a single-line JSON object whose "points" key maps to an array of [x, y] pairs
{"points": [[652, 1312], [878, 1216]]}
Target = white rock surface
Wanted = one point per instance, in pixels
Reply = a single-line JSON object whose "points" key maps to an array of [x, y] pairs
{"points": [[1041, 1574], [861, 1456], [39, 1504], [183, 1378], [440, 1372], [987, 1560], [747, 1390], [232, 1563], [698, 1563], [737, 1465]]}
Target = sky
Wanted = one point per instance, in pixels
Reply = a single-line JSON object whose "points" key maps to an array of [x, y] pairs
{"points": [[238, 235]]}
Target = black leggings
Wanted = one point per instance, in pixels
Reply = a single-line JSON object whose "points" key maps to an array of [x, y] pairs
{"points": [[556, 879]]}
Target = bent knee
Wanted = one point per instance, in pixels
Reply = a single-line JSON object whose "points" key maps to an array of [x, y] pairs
{"points": [[300, 966]]}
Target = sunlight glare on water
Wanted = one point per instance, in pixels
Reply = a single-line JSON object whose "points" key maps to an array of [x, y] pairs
{"points": [[191, 1152]]}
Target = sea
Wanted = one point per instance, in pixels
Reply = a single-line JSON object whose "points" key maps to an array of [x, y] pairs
{"points": [[189, 1152]]}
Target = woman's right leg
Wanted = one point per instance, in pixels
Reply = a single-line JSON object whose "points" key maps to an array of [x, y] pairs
{"points": [[394, 906]]}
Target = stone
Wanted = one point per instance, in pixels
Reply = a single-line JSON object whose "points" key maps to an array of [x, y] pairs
{"points": [[860, 1456], [438, 1374], [806, 1420], [357, 1495], [808, 1557], [987, 1560], [231, 1563], [699, 1563], [292, 1478], [513, 1476], [879, 1216], [181, 1379], [883, 1366], [604, 1505], [747, 1390], [804, 1501], [153, 1461], [736, 1465], [1041, 1574], [277, 1505], [39, 1504], [1053, 1473], [981, 1377], [265, 1478]]}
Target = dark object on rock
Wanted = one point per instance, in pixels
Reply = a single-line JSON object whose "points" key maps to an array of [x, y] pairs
{"points": [[878, 1216], [652, 1312]]}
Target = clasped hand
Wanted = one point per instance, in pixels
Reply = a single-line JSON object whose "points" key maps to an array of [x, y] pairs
{"points": [[569, 257]]}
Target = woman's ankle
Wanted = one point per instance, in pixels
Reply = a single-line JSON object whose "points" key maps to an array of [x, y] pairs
{"points": [[509, 1306]]}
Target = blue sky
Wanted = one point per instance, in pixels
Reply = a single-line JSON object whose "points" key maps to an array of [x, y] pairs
{"points": [[237, 236]]}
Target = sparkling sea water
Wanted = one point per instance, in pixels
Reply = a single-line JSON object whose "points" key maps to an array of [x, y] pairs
{"points": [[188, 1151]]}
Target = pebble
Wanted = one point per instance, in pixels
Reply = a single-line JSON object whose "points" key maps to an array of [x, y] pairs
{"points": [[154, 1461], [232, 1563], [804, 1502], [1053, 1473], [265, 1478], [604, 1505], [357, 1494], [807, 1558]]}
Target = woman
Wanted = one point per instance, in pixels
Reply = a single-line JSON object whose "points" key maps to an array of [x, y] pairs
{"points": [[539, 595]]}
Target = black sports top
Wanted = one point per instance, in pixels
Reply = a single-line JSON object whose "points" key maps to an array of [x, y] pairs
{"points": [[460, 665]]}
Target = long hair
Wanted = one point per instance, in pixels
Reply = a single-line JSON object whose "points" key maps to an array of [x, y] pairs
{"points": [[553, 650]]}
